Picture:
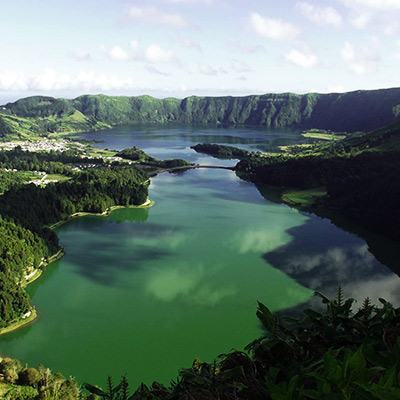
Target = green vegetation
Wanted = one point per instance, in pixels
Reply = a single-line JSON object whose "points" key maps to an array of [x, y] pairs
{"points": [[360, 173], [336, 354], [21, 382], [151, 164], [21, 251], [339, 354], [346, 112], [304, 197], [50, 162], [19, 322], [323, 134], [9, 179], [58, 177], [221, 151], [25, 210]]}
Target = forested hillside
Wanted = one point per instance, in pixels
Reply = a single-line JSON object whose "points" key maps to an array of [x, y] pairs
{"points": [[350, 112], [27, 210], [360, 175]]}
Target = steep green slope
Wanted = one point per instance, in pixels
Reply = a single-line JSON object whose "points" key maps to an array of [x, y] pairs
{"points": [[353, 111], [386, 138], [361, 175]]}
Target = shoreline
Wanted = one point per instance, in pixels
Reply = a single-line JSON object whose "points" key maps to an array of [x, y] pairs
{"points": [[20, 323], [147, 204], [13, 326]]}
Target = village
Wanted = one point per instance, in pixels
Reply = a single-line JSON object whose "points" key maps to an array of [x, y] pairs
{"points": [[84, 150], [43, 145]]}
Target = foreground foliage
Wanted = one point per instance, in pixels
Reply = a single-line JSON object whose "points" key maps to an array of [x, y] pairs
{"points": [[336, 354], [21, 382]]}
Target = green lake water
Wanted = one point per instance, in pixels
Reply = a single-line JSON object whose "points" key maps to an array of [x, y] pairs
{"points": [[146, 291]]}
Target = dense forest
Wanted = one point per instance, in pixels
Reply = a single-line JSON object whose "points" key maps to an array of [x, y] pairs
{"points": [[144, 159], [221, 151], [333, 355], [347, 112], [361, 176], [52, 162], [28, 210]]}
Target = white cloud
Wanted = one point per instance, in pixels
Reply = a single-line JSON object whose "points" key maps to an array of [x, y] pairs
{"points": [[336, 89], [305, 59], [13, 80], [378, 5], [190, 44], [189, 1], [50, 80], [155, 71], [240, 66], [320, 15], [246, 49], [207, 69], [364, 10], [156, 54], [272, 28], [391, 28], [81, 55], [152, 15], [361, 20], [361, 61], [117, 53], [134, 44]]}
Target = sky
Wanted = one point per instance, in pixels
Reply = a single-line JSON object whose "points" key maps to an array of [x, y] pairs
{"points": [[179, 48]]}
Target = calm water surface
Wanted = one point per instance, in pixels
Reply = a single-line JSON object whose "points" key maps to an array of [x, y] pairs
{"points": [[174, 141], [145, 291]]}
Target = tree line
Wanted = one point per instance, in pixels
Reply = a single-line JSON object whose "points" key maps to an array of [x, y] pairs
{"points": [[365, 187], [28, 210]]}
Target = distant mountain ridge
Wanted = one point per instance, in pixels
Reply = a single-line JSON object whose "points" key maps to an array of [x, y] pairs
{"points": [[362, 110]]}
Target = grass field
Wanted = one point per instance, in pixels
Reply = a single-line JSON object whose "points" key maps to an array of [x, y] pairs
{"points": [[304, 197], [323, 136], [58, 177], [94, 152], [27, 175]]}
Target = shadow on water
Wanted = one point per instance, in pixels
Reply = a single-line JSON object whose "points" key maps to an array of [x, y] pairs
{"points": [[130, 215], [321, 257], [104, 267], [18, 334], [102, 261]]}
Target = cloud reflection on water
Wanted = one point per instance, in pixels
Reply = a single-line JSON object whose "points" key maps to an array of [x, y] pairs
{"points": [[189, 285], [259, 241], [320, 259]]}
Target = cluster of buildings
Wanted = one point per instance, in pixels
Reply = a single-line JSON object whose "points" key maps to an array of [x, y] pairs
{"points": [[42, 145]]}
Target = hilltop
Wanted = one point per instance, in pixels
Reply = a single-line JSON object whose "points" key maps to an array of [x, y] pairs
{"points": [[362, 110]]}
